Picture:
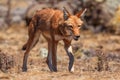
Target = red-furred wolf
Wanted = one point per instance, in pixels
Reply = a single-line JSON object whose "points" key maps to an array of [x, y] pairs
{"points": [[54, 25]]}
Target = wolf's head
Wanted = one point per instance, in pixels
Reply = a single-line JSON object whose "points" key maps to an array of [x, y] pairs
{"points": [[72, 23]]}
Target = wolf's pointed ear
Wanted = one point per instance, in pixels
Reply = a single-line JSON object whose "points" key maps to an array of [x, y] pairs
{"points": [[81, 12], [66, 14]]}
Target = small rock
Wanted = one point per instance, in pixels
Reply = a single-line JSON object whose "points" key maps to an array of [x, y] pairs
{"points": [[16, 19], [85, 53], [80, 54], [43, 52]]}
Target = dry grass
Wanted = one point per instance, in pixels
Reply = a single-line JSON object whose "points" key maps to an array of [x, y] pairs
{"points": [[12, 39], [86, 67]]}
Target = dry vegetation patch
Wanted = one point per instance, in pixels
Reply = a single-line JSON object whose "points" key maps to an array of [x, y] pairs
{"points": [[97, 57]]}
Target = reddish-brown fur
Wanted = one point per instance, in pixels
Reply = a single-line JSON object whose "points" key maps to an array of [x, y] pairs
{"points": [[54, 25]]}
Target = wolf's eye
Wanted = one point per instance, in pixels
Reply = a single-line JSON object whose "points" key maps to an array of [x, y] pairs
{"points": [[79, 26], [70, 26]]}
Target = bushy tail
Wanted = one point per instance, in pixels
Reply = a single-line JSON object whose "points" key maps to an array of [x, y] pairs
{"points": [[27, 20], [24, 46]]}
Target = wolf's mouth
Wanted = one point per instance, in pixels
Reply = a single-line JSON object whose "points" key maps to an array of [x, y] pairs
{"points": [[76, 37]]}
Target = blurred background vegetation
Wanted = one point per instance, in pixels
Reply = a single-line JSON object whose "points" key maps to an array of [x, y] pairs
{"points": [[98, 48], [101, 15]]}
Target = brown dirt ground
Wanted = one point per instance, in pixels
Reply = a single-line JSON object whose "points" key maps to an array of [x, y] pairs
{"points": [[12, 39]]}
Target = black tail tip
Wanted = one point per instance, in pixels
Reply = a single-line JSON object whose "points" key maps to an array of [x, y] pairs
{"points": [[23, 48]]}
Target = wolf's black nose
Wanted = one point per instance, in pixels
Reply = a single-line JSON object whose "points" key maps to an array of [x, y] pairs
{"points": [[76, 37]]}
